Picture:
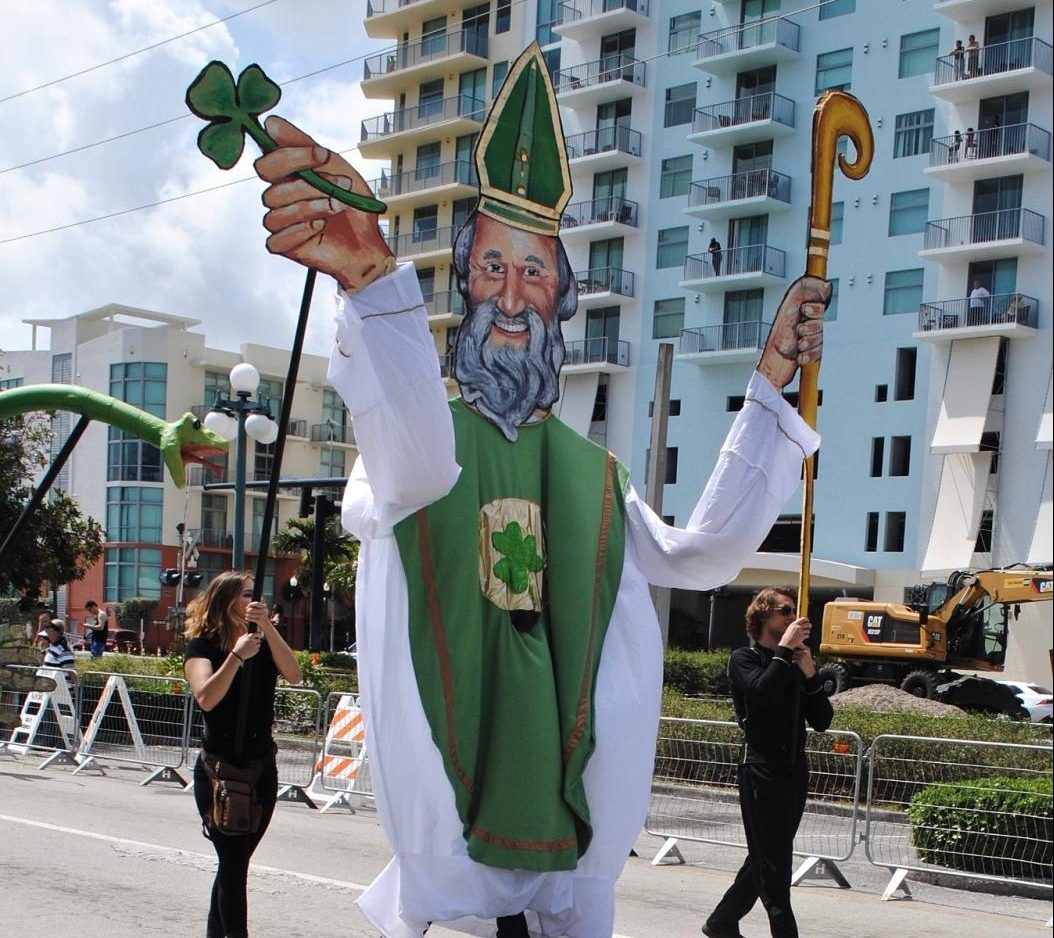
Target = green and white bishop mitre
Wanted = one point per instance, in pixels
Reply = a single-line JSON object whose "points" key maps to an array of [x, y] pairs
{"points": [[510, 657]]}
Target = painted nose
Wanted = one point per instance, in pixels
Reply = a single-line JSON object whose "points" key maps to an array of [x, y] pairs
{"points": [[510, 300]]}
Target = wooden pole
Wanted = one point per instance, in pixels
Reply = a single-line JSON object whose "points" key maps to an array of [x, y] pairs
{"points": [[660, 419]]}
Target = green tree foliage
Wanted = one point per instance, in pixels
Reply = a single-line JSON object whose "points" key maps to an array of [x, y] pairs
{"points": [[341, 555], [60, 543]]}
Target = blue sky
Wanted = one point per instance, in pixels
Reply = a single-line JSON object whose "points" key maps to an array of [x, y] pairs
{"points": [[202, 257]]}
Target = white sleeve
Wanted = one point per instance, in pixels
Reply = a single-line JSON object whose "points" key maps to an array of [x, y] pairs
{"points": [[385, 367], [757, 471]]}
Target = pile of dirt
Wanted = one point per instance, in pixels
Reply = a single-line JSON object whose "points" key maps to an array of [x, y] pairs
{"points": [[884, 698]]}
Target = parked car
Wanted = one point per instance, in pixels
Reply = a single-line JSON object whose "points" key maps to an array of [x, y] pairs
{"points": [[123, 640], [1037, 700]]}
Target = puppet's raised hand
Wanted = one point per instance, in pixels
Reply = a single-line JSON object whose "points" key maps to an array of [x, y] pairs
{"points": [[796, 337], [310, 228]]}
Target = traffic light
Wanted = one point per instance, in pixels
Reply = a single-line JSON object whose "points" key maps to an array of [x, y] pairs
{"points": [[192, 578], [307, 503], [169, 577]]}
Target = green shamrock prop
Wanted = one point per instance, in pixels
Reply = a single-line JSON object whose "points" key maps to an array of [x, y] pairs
{"points": [[519, 557], [232, 111]]}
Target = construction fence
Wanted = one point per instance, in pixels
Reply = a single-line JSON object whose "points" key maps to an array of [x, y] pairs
{"points": [[959, 807]]}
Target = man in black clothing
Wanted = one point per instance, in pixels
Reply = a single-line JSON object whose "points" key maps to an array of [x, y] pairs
{"points": [[775, 690]]}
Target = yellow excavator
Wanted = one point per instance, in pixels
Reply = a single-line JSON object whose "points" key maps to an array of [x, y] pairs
{"points": [[962, 623]]}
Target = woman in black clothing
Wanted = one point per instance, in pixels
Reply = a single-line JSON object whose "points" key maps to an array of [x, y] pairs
{"points": [[218, 647]]}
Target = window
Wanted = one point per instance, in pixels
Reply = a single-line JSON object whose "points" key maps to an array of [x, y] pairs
{"points": [[263, 461], [999, 378], [913, 133], [684, 32], [680, 105], [675, 407], [990, 444], [332, 462], [676, 176], [881, 393], [213, 518], [831, 313], [426, 223], [427, 164], [984, 532], [894, 540], [430, 99], [216, 384], [871, 537], [671, 465], [735, 403], [143, 384], [900, 455], [834, 70], [433, 36], [903, 292], [784, 537], [269, 394], [908, 211], [334, 415], [131, 571], [253, 538], [503, 16], [904, 384], [133, 513], [668, 320], [918, 53], [878, 455], [837, 221], [501, 69], [673, 247], [833, 8]]}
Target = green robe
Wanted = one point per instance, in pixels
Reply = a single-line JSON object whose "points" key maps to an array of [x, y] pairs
{"points": [[511, 578]]}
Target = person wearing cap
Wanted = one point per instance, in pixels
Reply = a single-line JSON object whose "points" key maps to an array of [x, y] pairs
{"points": [[511, 659], [57, 652]]}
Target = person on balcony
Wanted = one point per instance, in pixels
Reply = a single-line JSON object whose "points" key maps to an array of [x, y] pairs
{"points": [[715, 256], [973, 57], [958, 55]]}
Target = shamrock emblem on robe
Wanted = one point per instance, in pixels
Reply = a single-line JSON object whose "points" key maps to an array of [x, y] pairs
{"points": [[512, 554]]}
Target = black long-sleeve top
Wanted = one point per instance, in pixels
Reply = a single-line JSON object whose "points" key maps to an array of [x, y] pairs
{"points": [[773, 701]]}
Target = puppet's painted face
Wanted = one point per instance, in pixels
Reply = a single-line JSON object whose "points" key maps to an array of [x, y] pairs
{"points": [[510, 348]]}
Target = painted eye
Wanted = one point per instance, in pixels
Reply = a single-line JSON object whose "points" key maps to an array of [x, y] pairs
{"points": [[494, 269]]}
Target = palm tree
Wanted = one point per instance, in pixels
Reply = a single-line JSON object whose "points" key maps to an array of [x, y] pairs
{"points": [[340, 550]]}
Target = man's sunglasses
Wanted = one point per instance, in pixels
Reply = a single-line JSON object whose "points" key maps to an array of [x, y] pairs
{"points": [[785, 610]]}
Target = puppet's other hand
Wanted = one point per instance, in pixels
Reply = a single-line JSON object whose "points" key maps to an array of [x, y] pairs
{"points": [[796, 337], [310, 227]]}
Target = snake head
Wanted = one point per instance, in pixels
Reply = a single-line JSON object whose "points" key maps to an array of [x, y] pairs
{"points": [[186, 441]]}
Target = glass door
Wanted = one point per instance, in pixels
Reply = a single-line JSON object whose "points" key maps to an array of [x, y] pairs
{"points": [[746, 243]]}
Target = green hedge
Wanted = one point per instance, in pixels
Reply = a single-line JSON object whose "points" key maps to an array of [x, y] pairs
{"points": [[999, 826], [697, 672]]}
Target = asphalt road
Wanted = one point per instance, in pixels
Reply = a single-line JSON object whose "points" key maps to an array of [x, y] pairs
{"points": [[97, 856]]}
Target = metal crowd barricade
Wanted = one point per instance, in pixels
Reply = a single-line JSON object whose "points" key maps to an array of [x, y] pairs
{"points": [[695, 793], [38, 721], [297, 712], [343, 771], [934, 805], [137, 718]]}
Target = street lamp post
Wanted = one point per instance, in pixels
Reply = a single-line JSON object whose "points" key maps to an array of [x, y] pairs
{"points": [[239, 418]]}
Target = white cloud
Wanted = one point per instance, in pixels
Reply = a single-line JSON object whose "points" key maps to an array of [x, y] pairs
{"points": [[202, 256]]}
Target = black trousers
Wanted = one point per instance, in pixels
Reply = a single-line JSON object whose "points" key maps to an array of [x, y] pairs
{"points": [[228, 910], [772, 801]]}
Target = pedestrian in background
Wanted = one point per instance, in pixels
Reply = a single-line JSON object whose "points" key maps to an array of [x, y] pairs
{"points": [[57, 651], [96, 627], [220, 643], [775, 691]]}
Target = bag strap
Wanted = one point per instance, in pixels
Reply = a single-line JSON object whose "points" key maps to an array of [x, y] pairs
{"points": [[243, 710]]}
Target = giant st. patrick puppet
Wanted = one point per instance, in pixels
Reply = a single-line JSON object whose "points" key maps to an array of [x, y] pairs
{"points": [[511, 661]]}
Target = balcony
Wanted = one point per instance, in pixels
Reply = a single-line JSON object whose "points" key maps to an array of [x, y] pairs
{"points": [[333, 432], [723, 344], [599, 354], [752, 45], [603, 80], [611, 215], [432, 56], [986, 236], [224, 540], [991, 151], [745, 120], [389, 19], [385, 134], [425, 245], [1006, 314], [974, 10], [603, 286], [754, 265], [581, 19], [455, 180], [753, 192], [445, 309], [603, 148], [1003, 68]]}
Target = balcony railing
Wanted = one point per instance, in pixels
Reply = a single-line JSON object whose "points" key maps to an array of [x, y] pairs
{"points": [[995, 60], [445, 303], [1008, 223], [377, 7], [758, 107], [422, 115], [332, 432], [604, 280], [224, 540], [611, 208], [774, 31], [602, 140], [597, 351], [583, 9], [618, 67], [425, 177], [748, 185], [750, 259], [998, 310], [422, 242], [724, 337], [990, 142], [296, 427], [424, 50]]}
